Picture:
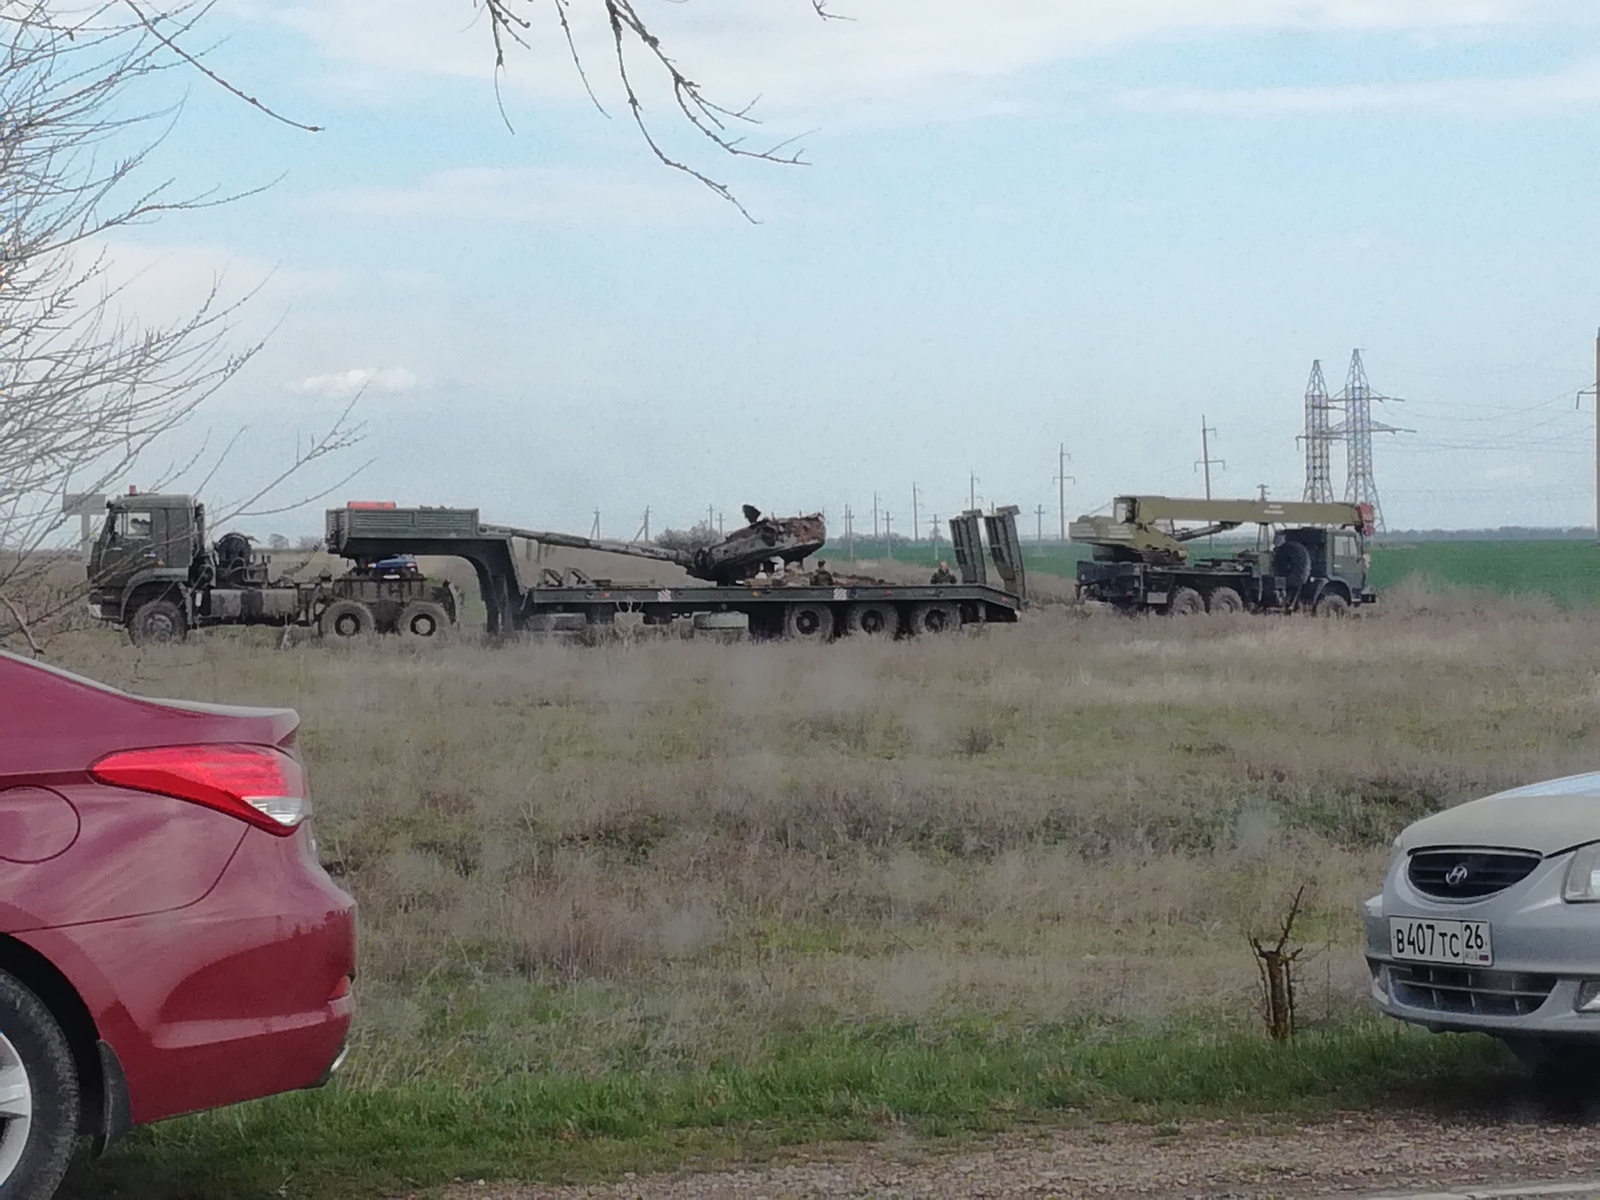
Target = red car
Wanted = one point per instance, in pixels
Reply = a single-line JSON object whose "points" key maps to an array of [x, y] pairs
{"points": [[168, 941]]}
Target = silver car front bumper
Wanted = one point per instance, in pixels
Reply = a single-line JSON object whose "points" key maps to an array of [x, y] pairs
{"points": [[1544, 949]]}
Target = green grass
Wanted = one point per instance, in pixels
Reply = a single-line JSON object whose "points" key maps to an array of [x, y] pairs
{"points": [[1567, 572], [842, 1083]]}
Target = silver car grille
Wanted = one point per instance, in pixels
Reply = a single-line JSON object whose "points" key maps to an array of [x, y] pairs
{"points": [[1465, 990], [1468, 874]]}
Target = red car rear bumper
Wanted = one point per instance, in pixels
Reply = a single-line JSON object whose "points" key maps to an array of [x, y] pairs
{"points": [[244, 993]]}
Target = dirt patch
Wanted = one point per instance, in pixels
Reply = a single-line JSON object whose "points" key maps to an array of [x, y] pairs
{"points": [[1353, 1155]]}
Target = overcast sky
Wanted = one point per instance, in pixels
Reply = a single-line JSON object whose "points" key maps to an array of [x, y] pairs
{"points": [[1024, 222]]}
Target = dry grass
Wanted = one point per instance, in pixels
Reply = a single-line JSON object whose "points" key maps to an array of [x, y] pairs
{"points": [[665, 852]]}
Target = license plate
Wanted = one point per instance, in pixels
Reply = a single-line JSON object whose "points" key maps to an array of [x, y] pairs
{"points": [[1420, 939]]}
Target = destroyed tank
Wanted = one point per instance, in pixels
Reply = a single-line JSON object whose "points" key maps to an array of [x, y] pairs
{"points": [[734, 559]]}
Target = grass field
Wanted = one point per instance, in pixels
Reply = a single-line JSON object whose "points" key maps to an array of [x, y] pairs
{"points": [[1567, 572], [658, 898]]}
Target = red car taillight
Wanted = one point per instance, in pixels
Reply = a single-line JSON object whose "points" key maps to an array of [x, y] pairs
{"points": [[258, 784]]}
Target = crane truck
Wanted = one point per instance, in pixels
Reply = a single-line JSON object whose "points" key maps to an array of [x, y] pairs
{"points": [[1308, 557], [152, 572]]}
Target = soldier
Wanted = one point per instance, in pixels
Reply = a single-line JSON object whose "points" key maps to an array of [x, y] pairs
{"points": [[821, 577], [943, 575]]}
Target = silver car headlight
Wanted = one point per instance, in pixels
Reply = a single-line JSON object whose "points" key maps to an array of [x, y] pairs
{"points": [[1582, 885]]}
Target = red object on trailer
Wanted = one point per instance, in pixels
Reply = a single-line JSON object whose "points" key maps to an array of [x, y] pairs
{"points": [[369, 504]]}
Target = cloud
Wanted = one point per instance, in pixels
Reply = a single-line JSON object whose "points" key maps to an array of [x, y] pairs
{"points": [[1575, 87], [341, 385], [550, 196]]}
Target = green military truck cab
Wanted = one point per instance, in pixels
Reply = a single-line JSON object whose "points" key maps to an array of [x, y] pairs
{"points": [[142, 565], [152, 572]]}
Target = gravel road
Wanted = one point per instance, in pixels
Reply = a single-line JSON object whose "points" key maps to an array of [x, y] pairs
{"points": [[1350, 1156]]}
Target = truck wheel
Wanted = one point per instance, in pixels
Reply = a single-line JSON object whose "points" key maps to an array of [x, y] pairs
{"points": [[1332, 605], [157, 621], [872, 619], [38, 1096], [1224, 600], [935, 618], [423, 619], [1185, 602], [346, 619], [813, 621]]}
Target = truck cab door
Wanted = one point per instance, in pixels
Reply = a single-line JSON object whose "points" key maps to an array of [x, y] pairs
{"points": [[1349, 564], [127, 546], [172, 537]]}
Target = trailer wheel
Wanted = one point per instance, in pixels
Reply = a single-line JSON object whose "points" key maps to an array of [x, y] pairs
{"points": [[935, 618], [813, 621], [1332, 605], [1224, 600], [346, 619], [423, 619], [157, 621], [872, 620], [1185, 602]]}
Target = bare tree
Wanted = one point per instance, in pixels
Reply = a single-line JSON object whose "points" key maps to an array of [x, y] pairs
{"points": [[86, 388]]}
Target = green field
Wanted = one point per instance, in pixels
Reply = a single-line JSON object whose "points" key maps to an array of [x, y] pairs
{"points": [[1568, 572]]}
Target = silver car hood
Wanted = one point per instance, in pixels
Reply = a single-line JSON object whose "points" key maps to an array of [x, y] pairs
{"points": [[1544, 817]]}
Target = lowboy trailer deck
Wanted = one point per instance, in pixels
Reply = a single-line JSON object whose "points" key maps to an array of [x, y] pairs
{"points": [[518, 594]]}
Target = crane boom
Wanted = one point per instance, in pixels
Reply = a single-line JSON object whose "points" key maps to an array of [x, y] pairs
{"points": [[1143, 528]]}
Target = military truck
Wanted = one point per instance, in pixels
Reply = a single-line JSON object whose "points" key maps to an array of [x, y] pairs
{"points": [[752, 580], [152, 572], [1308, 557]]}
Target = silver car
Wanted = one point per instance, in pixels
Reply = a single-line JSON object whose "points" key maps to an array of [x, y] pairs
{"points": [[1489, 921]]}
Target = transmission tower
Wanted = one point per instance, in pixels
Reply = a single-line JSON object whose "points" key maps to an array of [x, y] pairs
{"points": [[1319, 439], [1357, 430]]}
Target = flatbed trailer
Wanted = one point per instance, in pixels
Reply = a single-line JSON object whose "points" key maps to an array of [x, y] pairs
{"points": [[518, 594]]}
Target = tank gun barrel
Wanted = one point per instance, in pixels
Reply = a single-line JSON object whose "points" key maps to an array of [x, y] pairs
{"points": [[744, 551], [572, 541]]}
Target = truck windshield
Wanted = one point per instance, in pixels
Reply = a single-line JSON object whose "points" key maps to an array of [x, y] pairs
{"points": [[128, 526]]}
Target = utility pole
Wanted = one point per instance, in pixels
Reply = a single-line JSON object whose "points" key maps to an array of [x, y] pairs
{"points": [[1595, 391], [711, 517], [1263, 489], [1061, 480], [850, 532], [874, 516], [719, 526], [972, 491], [644, 530], [1039, 534], [888, 537], [933, 533], [916, 527], [595, 532], [1205, 460]]}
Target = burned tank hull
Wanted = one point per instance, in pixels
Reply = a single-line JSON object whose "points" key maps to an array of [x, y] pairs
{"points": [[745, 551]]}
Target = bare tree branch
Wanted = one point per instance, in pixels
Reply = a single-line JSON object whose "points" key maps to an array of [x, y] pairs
{"points": [[628, 29], [148, 23]]}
